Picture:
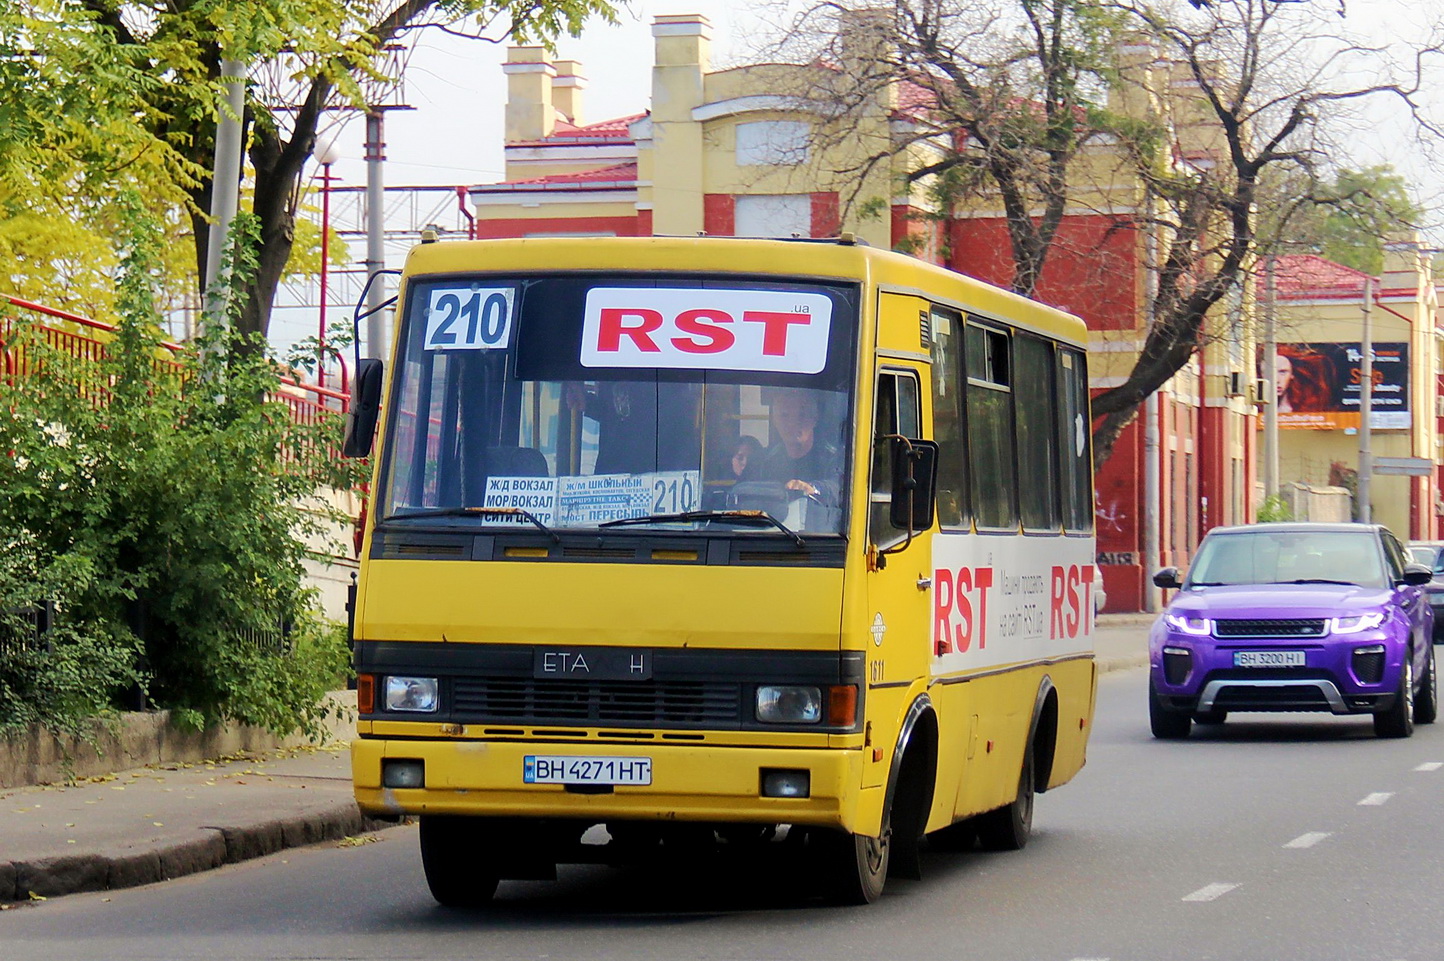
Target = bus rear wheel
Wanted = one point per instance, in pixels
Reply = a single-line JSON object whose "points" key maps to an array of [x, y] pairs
{"points": [[855, 865], [456, 863], [1008, 828]]}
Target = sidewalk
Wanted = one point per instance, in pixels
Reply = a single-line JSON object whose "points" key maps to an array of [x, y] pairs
{"points": [[165, 821], [168, 820]]}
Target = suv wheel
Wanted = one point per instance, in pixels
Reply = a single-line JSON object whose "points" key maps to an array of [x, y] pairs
{"points": [[1398, 719], [1165, 721], [1426, 702]]}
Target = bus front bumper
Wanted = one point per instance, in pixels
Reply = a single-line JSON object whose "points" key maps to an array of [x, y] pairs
{"points": [[688, 782]]}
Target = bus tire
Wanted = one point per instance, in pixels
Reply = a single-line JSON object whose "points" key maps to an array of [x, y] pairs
{"points": [[454, 858], [855, 865], [1007, 828]]}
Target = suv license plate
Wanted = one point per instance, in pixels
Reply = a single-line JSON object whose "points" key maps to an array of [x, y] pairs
{"points": [[1268, 659], [565, 769]]}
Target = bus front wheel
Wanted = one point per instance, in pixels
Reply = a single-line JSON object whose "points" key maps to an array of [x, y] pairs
{"points": [[855, 865], [455, 859]]}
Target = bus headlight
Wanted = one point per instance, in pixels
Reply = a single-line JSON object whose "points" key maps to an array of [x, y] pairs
{"points": [[789, 704], [411, 694]]}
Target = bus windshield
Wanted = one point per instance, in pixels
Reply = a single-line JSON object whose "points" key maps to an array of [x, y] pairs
{"points": [[579, 402]]}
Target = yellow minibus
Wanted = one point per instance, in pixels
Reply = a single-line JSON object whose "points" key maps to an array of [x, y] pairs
{"points": [[704, 541]]}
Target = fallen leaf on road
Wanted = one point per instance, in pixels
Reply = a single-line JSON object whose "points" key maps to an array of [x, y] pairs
{"points": [[159, 824], [356, 842], [37, 897]]}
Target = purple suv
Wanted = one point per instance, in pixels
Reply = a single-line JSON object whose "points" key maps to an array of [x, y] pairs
{"points": [[1294, 617]]}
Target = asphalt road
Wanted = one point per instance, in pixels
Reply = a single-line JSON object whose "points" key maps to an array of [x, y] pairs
{"points": [[1271, 838]]}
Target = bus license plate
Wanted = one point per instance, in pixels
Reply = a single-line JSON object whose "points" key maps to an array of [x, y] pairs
{"points": [[563, 769], [1268, 659]]}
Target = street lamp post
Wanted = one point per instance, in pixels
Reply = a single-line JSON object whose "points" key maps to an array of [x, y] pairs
{"points": [[327, 154]]}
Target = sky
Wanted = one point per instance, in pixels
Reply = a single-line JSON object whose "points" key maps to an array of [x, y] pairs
{"points": [[453, 136]]}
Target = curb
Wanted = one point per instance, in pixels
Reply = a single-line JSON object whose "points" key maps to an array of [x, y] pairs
{"points": [[218, 846]]}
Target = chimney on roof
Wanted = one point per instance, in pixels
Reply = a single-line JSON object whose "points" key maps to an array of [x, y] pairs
{"points": [[530, 114], [679, 82], [866, 47], [567, 87]]}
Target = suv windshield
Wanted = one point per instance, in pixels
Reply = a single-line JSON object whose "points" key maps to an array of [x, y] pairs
{"points": [[588, 400], [1288, 556]]}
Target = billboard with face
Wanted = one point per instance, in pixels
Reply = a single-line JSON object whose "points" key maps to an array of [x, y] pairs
{"points": [[1318, 385]]}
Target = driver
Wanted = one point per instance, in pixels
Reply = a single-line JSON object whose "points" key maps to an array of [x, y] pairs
{"points": [[809, 468]]}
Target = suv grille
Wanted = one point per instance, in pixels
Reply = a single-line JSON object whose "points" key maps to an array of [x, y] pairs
{"points": [[644, 704], [1264, 627]]}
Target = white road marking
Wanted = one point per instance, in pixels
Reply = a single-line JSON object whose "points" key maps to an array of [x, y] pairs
{"points": [[1377, 798], [1210, 892], [1307, 840], [1430, 766]]}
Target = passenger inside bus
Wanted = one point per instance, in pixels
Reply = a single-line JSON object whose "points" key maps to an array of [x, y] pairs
{"points": [[749, 449]]}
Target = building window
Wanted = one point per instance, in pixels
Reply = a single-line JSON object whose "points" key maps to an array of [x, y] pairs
{"points": [[772, 143], [773, 215]]}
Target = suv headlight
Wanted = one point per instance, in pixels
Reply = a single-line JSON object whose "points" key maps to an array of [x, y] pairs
{"points": [[411, 694], [1189, 624], [1354, 623]]}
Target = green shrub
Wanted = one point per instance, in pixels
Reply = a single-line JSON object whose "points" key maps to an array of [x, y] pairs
{"points": [[176, 485]]}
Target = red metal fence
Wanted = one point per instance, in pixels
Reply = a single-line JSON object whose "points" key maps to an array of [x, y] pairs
{"points": [[307, 402]]}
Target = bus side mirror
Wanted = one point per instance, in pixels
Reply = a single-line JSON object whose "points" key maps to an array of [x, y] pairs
{"points": [[915, 484], [1167, 578], [365, 408]]}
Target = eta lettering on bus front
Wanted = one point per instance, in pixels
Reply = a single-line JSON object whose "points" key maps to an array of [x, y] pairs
{"points": [[1070, 610], [956, 595]]}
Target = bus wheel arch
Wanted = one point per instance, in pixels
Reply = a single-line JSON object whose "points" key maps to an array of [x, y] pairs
{"points": [[912, 778], [1043, 733], [1008, 828]]}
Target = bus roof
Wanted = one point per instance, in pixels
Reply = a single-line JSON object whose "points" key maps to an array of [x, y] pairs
{"points": [[822, 259]]}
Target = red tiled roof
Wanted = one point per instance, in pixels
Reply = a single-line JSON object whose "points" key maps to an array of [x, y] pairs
{"points": [[913, 99], [1309, 276], [614, 129], [625, 173]]}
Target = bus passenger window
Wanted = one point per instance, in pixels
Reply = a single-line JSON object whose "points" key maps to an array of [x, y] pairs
{"points": [[1038, 478], [1075, 441], [990, 428], [948, 382]]}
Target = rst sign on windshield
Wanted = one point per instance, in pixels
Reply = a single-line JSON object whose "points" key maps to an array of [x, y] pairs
{"points": [[706, 329]]}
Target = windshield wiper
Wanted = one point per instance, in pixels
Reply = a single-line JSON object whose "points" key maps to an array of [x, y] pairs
{"points": [[477, 512], [1207, 584], [1317, 580], [745, 517]]}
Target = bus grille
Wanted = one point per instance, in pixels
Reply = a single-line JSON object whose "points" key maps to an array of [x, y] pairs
{"points": [[618, 703]]}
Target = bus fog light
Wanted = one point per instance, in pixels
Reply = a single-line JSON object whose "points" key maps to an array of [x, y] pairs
{"points": [[796, 784], [789, 704], [399, 773], [411, 694]]}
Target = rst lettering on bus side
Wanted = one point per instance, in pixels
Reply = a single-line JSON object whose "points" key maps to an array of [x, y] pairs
{"points": [[1070, 600], [1011, 602]]}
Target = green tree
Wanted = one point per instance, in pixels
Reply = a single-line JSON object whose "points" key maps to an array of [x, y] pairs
{"points": [[1348, 219], [76, 130], [305, 57]]}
